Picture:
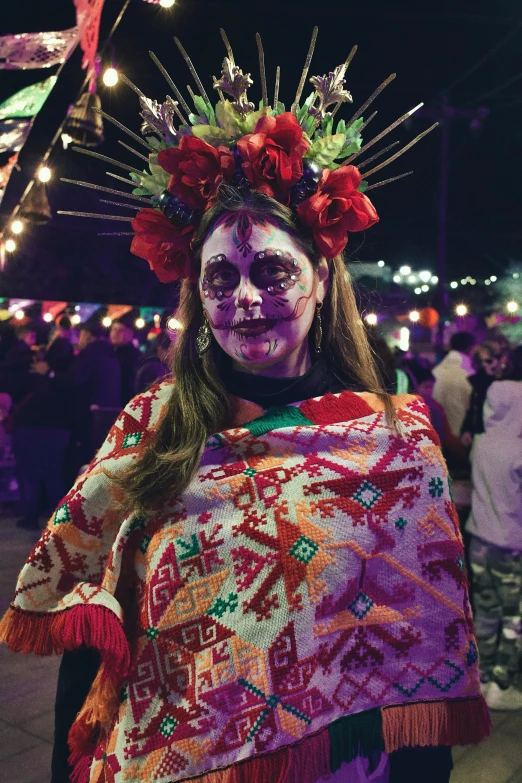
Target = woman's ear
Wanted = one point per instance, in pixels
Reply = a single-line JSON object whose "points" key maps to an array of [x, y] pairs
{"points": [[323, 280]]}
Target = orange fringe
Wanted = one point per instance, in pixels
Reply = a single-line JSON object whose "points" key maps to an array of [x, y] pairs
{"points": [[452, 722], [28, 632], [98, 710]]}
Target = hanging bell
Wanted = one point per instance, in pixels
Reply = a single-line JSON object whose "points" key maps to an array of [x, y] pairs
{"points": [[83, 124], [36, 206]]}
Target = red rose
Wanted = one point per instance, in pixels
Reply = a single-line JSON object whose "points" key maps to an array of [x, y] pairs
{"points": [[197, 170], [164, 246], [272, 156], [336, 209]]}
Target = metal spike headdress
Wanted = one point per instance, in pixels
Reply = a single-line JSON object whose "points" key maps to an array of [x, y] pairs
{"points": [[298, 158]]}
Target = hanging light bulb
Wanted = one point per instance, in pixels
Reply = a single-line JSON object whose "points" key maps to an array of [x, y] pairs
{"points": [[75, 319], [140, 323], [47, 317], [107, 322], [405, 270], [414, 315], [512, 307], [17, 226], [19, 315], [454, 284], [167, 3], [44, 174], [461, 310], [10, 245], [381, 263], [371, 319], [173, 325], [110, 77]]}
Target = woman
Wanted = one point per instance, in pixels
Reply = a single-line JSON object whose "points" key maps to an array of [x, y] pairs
{"points": [[264, 553]]}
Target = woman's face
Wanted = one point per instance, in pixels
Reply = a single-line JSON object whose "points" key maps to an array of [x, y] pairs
{"points": [[259, 293], [493, 365]]}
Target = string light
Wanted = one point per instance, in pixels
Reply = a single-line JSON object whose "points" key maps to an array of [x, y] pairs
{"points": [[464, 281], [107, 322], [19, 315], [425, 288], [173, 325], [17, 226], [414, 316], [10, 245], [487, 282], [512, 307], [48, 318], [75, 319], [371, 319], [405, 270], [110, 77], [461, 309], [493, 278], [434, 279], [380, 263], [44, 174], [140, 323], [397, 278], [425, 276], [412, 279], [167, 3], [454, 284], [417, 290], [404, 338]]}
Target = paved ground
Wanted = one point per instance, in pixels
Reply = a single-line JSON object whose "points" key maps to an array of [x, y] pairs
{"points": [[27, 686]]}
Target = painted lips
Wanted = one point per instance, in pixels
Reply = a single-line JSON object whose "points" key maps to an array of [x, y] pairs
{"points": [[254, 327]]}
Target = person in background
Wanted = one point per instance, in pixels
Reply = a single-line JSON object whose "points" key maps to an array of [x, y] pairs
{"points": [[97, 384], [453, 449], [122, 339], [452, 388], [495, 525], [394, 380], [494, 364], [59, 351], [154, 368]]}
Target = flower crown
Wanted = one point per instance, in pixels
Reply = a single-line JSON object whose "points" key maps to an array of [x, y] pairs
{"points": [[302, 158]]}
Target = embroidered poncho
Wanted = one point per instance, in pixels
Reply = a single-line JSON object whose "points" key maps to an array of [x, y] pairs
{"points": [[302, 603]]}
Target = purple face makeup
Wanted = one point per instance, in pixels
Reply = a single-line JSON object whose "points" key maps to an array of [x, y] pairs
{"points": [[260, 304]]}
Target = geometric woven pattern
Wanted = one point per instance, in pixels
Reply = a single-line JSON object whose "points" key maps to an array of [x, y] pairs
{"points": [[309, 572]]}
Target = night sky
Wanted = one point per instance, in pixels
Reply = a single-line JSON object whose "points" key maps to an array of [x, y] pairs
{"points": [[429, 45]]}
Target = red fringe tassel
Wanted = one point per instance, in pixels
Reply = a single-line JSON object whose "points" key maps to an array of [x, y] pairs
{"points": [[452, 722]]}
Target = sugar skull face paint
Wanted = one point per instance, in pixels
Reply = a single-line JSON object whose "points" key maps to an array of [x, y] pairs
{"points": [[260, 295]]}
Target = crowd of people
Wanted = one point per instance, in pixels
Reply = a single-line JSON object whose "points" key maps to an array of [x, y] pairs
{"points": [[59, 399]]}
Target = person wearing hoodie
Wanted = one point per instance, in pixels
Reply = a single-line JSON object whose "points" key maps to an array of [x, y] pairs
{"points": [[495, 525]]}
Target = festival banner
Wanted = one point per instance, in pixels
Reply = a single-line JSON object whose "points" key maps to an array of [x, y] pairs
{"points": [[29, 101], [5, 172], [13, 134], [36, 50], [88, 15]]}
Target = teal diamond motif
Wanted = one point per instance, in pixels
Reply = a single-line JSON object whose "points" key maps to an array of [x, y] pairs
{"points": [[304, 549], [436, 487], [360, 605], [152, 633], [145, 541], [250, 472], [367, 495], [273, 700], [62, 515], [168, 725], [401, 523], [131, 440]]}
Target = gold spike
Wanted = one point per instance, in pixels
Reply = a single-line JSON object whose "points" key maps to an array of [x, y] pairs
{"points": [[130, 84], [346, 64], [107, 190], [276, 88], [382, 134], [192, 70], [124, 129], [305, 71], [219, 92], [121, 179], [401, 151], [377, 155], [125, 218], [131, 149], [262, 72], [118, 204], [230, 53], [164, 73], [191, 93], [386, 181], [367, 122], [106, 159], [371, 99]]}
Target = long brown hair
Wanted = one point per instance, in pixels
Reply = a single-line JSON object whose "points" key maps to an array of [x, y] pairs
{"points": [[199, 404]]}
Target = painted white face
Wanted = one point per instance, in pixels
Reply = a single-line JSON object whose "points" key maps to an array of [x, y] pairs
{"points": [[259, 293]]}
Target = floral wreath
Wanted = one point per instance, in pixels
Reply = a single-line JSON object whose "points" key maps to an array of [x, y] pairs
{"points": [[296, 157]]}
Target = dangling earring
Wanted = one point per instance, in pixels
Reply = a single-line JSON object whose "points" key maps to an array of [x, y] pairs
{"points": [[204, 337], [318, 328]]}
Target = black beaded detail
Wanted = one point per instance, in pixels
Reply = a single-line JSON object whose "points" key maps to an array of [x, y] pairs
{"points": [[307, 185], [175, 210]]}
